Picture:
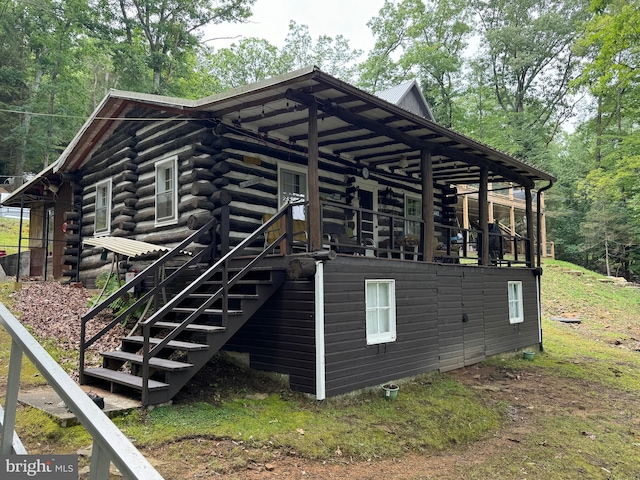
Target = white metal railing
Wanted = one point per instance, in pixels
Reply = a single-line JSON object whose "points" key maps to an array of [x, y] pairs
{"points": [[109, 443]]}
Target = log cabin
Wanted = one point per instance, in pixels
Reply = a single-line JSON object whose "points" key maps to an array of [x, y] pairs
{"points": [[299, 222]]}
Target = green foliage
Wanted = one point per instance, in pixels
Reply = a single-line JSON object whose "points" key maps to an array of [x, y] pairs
{"points": [[108, 284], [254, 59], [428, 40], [156, 39]]}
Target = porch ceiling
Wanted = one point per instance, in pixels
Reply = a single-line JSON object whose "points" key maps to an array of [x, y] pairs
{"points": [[363, 130]]}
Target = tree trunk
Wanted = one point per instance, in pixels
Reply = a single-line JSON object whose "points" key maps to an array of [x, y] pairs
{"points": [[26, 123]]}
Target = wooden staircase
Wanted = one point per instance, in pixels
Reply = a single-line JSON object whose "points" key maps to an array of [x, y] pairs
{"points": [[167, 349], [176, 361]]}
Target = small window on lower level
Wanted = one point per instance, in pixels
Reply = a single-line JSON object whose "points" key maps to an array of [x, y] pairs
{"points": [[516, 311], [380, 298]]}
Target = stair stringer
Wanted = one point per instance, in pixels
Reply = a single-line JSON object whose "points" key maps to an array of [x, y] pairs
{"points": [[217, 340]]}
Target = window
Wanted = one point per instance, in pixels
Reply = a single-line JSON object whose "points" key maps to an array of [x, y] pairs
{"points": [[293, 188], [516, 312], [380, 299], [413, 210], [103, 208], [166, 191]]}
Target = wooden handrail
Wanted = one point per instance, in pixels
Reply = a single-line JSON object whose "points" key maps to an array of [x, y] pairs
{"points": [[109, 443]]}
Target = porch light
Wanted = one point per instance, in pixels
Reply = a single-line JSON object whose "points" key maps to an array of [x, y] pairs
{"points": [[403, 163]]}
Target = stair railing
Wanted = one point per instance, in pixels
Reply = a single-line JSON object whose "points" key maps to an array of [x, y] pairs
{"points": [[159, 285], [285, 238], [109, 443]]}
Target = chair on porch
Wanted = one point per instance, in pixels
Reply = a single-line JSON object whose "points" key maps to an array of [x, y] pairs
{"points": [[299, 233], [338, 238]]}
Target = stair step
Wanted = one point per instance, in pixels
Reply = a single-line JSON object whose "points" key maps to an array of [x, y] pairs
{"points": [[192, 327], [208, 311], [122, 378], [234, 296], [176, 344], [161, 363], [240, 282]]}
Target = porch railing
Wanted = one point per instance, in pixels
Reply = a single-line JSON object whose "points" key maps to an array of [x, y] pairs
{"points": [[381, 234], [109, 443], [153, 294]]}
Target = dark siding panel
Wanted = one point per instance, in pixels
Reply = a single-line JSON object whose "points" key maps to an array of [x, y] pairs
{"points": [[351, 363], [450, 326], [500, 335], [281, 336]]}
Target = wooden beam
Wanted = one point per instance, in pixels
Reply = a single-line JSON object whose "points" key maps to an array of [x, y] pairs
{"points": [[415, 142], [483, 214], [429, 239], [530, 231], [313, 187]]}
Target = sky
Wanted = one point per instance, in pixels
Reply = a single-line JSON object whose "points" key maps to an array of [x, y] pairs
{"points": [[271, 18]]}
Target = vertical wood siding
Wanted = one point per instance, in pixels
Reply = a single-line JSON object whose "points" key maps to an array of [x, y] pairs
{"points": [[351, 363], [431, 303]]}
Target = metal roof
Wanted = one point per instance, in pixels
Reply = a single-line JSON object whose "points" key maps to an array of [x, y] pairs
{"points": [[398, 93], [355, 128], [125, 246]]}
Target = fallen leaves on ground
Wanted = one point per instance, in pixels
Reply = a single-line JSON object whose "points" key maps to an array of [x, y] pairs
{"points": [[53, 311]]}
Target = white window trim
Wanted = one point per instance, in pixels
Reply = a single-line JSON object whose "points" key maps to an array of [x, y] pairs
{"points": [[411, 219], [107, 230], [161, 164], [383, 337], [513, 318], [294, 169], [289, 168]]}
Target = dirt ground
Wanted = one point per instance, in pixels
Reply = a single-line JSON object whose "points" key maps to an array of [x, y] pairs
{"points": [[528, 395]]}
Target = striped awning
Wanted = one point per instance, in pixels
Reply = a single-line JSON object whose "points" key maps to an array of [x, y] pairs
{"points": [[125, 246]]}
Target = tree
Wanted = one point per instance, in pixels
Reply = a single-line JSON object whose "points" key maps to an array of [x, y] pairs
{"points": [[254, 59], [527, 48], [332, 55], [249, 61], [154, 39], [428, 40], [46, 35]]}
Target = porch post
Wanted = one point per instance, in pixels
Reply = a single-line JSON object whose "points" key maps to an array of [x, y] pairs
{"points": [[428, 230], [313, 188], [483, 214], [530, 233], [542, 227]]}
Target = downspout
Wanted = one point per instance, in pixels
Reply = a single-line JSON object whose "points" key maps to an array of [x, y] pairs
{"points": [[538, 271], [319, 332]]}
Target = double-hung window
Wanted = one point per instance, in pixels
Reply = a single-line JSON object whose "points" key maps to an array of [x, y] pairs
{"points": [[102, 224], [413, 213], [293, 189], [516, 311], [380, 300], [167, 191]]}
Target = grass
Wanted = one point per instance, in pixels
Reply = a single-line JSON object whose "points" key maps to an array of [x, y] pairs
{"points": [[9, 235], [423, 419], [592, 430]]}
